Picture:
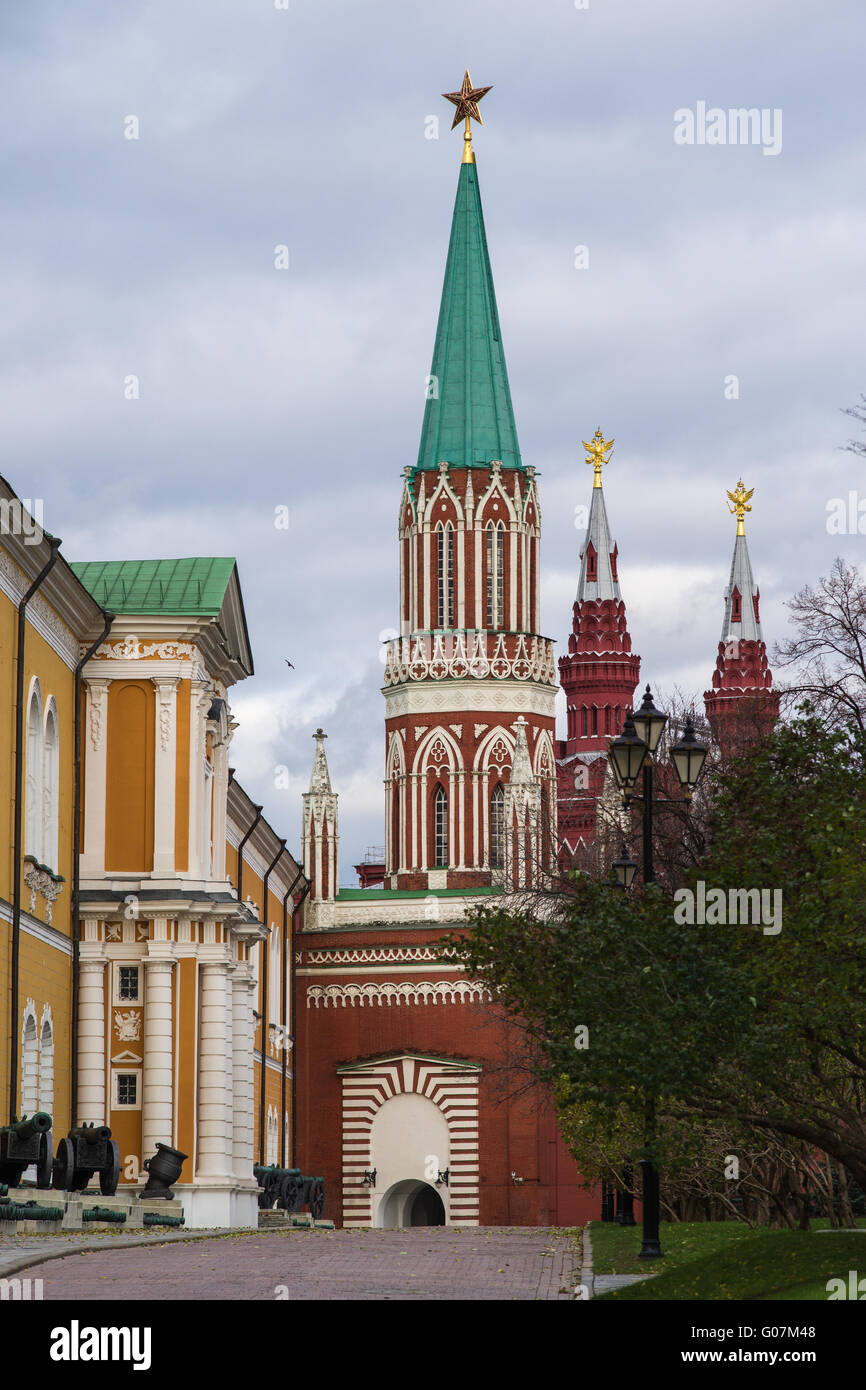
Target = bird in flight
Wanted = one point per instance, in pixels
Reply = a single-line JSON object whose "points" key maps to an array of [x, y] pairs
{"points": [[288, 663]]}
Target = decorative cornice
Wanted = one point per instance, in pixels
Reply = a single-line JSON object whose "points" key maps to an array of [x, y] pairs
{"points": [[425, 991], [49, 625]]}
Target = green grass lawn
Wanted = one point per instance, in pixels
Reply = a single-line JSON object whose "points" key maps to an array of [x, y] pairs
{"points": [[615, 1248], [724, 1260]]}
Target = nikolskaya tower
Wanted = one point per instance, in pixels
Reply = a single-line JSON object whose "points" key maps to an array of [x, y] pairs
{"points": [[399, 1051], [470, 682]]}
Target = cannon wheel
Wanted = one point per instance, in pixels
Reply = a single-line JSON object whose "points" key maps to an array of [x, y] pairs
{"points": [[64, 1165], [317, 1201], [45, 1162], [110, 1175]]}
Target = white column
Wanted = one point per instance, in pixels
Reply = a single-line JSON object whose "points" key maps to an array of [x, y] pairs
{"points": [[164, 782], [95, 747], [243, 1138], [213, 1142], [157, 1092], [91, 1042]]}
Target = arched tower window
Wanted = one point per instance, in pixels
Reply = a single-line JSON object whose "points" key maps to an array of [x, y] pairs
{"points": [[35, 774], [50, 789], [440, 827], [497, 827], [495, 575], [395, 826], [445, 554]]}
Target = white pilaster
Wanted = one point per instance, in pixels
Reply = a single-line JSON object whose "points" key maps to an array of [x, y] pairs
{"points": [[95, 748], [91, 1042]]}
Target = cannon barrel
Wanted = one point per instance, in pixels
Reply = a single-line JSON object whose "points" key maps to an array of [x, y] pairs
{"points": [[91, 1134], [40, 1123]]}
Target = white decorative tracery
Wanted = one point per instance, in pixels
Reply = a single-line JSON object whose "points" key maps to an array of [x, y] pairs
{"points": [[407, 992]]}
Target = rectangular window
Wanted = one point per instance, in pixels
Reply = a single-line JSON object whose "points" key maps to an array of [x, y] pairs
{"points": [[127, 983], [126, 1089]]}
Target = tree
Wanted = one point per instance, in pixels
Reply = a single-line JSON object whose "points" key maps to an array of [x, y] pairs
{"points": [[726, 1024], [828, 650]]}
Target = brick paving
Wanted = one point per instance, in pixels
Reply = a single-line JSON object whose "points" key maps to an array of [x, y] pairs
{"points": [[426, 1263]]}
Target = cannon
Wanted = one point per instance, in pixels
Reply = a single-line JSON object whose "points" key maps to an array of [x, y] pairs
{"points": [[110, 1214], [23, 1142], [289, 1190], [28, 1211], [87, 1150]]}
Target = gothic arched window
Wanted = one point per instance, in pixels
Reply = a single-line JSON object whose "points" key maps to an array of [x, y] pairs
{"points": [[496, 575], [440, 827], [445, 572], [497, 827]]}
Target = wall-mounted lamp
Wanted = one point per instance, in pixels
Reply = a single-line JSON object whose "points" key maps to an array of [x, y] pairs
{"points": [[369, 1179], [443, 1177]]}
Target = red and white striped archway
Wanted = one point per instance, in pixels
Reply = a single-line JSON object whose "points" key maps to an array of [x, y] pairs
{"points": [[452, 1086]]}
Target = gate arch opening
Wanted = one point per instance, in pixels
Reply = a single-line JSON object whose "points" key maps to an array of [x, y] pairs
{"points": [[411, 1203]]}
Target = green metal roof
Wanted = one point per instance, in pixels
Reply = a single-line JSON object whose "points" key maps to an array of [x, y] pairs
{"points": [[471, 422], [194, 586]]}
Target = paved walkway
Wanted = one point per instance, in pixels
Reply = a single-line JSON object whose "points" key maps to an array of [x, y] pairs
{"points": [[425, 1263]]}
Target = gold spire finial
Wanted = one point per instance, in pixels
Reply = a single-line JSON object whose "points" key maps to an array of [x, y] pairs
{"points": [[466, 101], [740, 499], [597, 454]]}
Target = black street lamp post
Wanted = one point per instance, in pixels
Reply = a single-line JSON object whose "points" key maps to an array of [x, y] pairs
{"points": [[631, 754]]}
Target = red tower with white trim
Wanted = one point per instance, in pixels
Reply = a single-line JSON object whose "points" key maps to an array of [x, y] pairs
{"points": [[599, 673], [742, 705], [403, 1063]]}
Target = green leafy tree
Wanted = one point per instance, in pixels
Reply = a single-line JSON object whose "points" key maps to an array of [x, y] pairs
{"points": [[737, 1023]]}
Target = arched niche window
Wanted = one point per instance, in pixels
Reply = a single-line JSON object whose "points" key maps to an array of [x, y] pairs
{"points": [[46, 1068], [495, 588], [497, 827], [50, 788], [440, 827], [34, 775], [29, 1066], [274, 1000], [445, 574], [736, 606]]}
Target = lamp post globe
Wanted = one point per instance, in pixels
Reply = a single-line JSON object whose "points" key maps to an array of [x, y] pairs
{"points": [[688, 755], [649, 722], [627, 755]]}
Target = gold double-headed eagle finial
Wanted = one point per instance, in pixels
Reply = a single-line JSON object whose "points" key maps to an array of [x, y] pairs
{"points": [[466, 101], [740, 499], [597, 452]]}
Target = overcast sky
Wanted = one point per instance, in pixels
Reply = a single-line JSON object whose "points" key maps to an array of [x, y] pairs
{"points": [[260, 387]]}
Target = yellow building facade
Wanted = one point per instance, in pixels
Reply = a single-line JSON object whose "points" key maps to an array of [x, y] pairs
{"points": [[156, 983]]}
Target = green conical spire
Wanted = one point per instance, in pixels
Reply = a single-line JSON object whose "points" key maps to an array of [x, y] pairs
{"points": [[471, 421]]}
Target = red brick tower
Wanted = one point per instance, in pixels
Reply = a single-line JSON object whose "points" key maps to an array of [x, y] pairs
{"points": [[599, 674], [402, 1060], [742, 704]]}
